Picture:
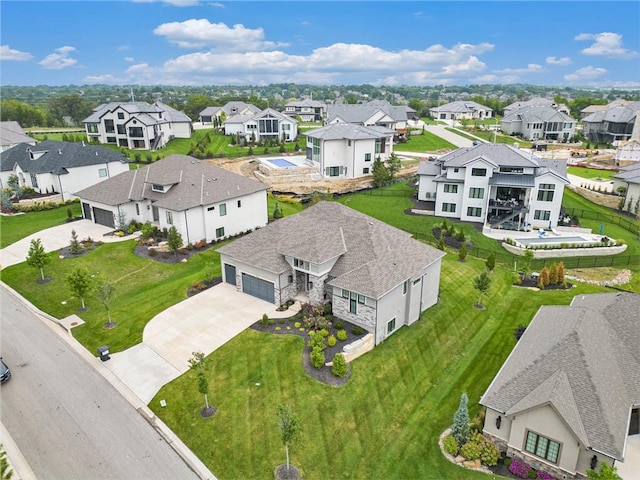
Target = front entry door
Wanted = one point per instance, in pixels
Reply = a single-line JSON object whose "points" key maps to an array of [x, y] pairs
{"points": [[156, 214]]}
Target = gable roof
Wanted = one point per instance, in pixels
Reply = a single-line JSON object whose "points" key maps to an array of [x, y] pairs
{"points": [[615, 114], [306, 103], [584, 361], [11, 133], [349, 131], [499, 154], [629, 174], [242, 118], [373, 256], [536, 113], [57, 157], [461, 106], [193, 183], [138, 108], [359, 113]]}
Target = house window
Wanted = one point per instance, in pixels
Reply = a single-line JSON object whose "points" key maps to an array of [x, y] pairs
{"points": [[34, 180], [137, 209], [239, 203], [111, 139], [102, 172], [334, 171], [92, 128], [348, 143], [456, 170], [450, 188], [542, 214], [478, 172], [365, 171], [219, 232], [170, 218], [367, 157], [542, 447], [109, 127], [405, 287], [449, 207], [135, 132], [345, 293], [380, 142], [157, 188], [315, 149], [475, 192], [223, 209], [474, 212], [391, 325], [361, 299], [120, 116], [545, 192], [353, 302], [122, 130]]}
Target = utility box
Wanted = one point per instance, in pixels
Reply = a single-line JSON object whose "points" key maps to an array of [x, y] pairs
{"points": [[103, 351]]}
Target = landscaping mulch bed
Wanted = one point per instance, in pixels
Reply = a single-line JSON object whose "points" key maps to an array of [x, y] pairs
{"points": [[87, 246], [533, 283], [142, 251], [202, 286], [324, 374]]}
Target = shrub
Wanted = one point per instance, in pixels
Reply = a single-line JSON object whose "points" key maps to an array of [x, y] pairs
{"points": [[264, 320], [297, 324], [339, 367], [507, 462], [317, 357], [478, 421], [519, 468], [342, 335], [271, 321], [316, 340], [331, 341], [323, 332], [540, 475], [451, 446], [532, 474], [281, 321], [356, 330], [470, 451], [327, 308], [339, 325]]}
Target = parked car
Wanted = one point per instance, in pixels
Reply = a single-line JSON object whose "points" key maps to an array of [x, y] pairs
{"points": [[5, 373]]}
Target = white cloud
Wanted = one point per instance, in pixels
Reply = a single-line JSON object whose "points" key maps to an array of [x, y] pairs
{"points": [[216, 4], [129, 59], [199, 33], [9, 54], [106, 78], [530, 68], [182, 3], [59, 59], [558, 61], [122, 48], [586, 74], [606, 44], [305, 23]]}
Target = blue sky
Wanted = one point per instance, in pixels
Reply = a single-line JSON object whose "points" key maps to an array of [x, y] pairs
{"points": [[197, 42]]}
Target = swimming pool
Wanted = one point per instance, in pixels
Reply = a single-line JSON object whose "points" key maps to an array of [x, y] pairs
{"points": [[281, 163], [551, 240]]}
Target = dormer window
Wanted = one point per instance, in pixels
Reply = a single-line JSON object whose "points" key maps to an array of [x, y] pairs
{"points": [[157, 188]]}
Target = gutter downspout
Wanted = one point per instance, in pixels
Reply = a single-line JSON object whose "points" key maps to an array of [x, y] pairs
{"points": [[61, 191], [186, 224]]}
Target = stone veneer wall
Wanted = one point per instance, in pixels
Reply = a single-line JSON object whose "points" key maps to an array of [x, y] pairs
{"points": [[366, 316], [568, 252], [610, 201]]}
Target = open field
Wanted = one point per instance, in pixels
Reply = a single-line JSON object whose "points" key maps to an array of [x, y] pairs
{"points": [[592, 173]]}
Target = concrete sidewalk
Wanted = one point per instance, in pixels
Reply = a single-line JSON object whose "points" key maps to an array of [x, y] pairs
{"points": [[442, 132], [55, 238]]}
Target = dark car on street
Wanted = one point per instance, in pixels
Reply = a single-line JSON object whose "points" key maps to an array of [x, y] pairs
{"points": [[5, 373]]}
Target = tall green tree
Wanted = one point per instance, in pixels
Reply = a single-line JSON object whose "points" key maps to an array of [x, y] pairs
{"points": [[195, 104], [289, 427], [37, 257], [491, 262], [482, 283], [174, 240], [81, 283], [460, 429], [380, 173], [525, 264], [23, 113], [73, 106], [393, 165]]}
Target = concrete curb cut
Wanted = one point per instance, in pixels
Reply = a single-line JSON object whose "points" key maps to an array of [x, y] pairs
{"points": [[167, 434]]}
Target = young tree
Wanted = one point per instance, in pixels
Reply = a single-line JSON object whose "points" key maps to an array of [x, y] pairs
{"points": [[607, 472], [460, 429], [75, 247], [81, 283], [462, 253], [200, 364], [491, 262], [289, 427], [482, 283], [277, 213], [527, 258], [380, 173], [37, 257], [105, 293], [393, 165], [174, 239]]}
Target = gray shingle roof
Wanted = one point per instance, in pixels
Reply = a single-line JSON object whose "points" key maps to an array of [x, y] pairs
{"points": [[193, 183], [359, 113], [428, 168], [584, 360], [497, 153], [11, 133], [460, 106], [59, 157], [139, 108], [349, 131], [536, 113], [306, 103], [210, 111], [374, 257]]}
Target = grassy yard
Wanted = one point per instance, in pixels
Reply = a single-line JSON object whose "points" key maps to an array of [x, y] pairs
{"points": [[16, 227], [488, 136], [384, 423], [462, 134], [423, 142], [591, 173]]}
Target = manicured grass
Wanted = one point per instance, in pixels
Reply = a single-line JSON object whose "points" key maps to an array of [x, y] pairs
{"points": [[384, 423], [423, 142], [488, 136], [16, 227], [286, 205], [462, 134], [591, 173]]}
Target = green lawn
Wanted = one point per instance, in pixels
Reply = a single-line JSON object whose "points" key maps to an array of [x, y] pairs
{"points": [[489, 136], [423, 142], [16, 227], [384, 423], [462, 134], [592, 173]]}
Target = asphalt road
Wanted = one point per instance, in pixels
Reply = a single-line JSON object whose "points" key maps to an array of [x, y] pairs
{"points": [[66, 418]]}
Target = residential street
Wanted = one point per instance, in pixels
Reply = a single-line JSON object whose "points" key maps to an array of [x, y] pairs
{"points": [[67, 419]]}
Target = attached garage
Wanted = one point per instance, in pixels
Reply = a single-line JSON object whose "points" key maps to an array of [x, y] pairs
{"points": [[103, 217], [230, 274], [258, 288]]}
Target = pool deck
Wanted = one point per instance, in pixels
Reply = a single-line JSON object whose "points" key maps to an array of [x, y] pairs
{"points": [[501, 234]]}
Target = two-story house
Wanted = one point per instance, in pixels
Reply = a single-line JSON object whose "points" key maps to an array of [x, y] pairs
{"points": [[535, 102], [136, 125], [201, 200], [497, 185], [461, 109], [60, 167], [229, 109], [269, 125], [347, 150], [613, 124], [306, 110], [539, 122]]}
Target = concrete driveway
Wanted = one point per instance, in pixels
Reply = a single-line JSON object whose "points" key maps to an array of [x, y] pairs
{"points": [[55, 238], [202, 323]]}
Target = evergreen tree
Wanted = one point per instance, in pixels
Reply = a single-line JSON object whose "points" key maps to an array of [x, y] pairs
{"points": [[277, 213], [75, 247], [460, 430], [380, 173], [174, 240], [491, 262], [462, 252], [393, 165]]}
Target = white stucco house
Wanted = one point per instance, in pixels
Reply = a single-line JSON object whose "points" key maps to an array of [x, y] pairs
{"points": [[535, 102], [539, 122], [307, 110], [629, 178], [201, 200], [375, 275], [229, 109], [495, 184], [12, 134], [628, 153], [60, 167], [567, 398], [269, 125], [348, 150], [137, 125], [461, 109]]}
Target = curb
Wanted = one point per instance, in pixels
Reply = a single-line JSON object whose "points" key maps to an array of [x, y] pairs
{"points": [[194, 463]]}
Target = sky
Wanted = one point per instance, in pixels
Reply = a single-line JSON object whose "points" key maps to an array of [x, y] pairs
{"points": [[200, 42]]}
